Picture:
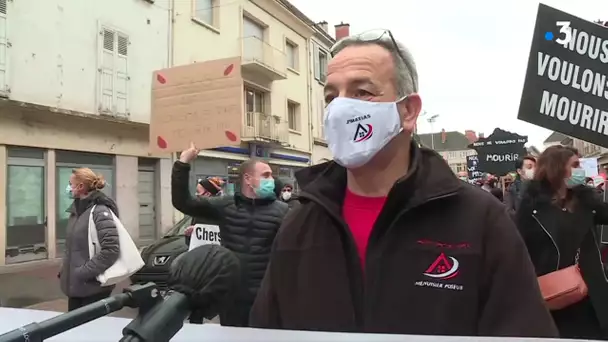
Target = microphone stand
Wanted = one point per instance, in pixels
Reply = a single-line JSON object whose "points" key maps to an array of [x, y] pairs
{"points": [[143, 297]]}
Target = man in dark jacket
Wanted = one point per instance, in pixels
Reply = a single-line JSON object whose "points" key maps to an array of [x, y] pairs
{"points": [[525, 172], [249, 222], [386, 239]]}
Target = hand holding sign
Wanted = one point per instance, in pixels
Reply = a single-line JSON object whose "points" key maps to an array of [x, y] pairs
{"points": [[190, 154]]}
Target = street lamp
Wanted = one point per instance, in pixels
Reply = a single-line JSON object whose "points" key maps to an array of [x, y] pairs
{"points": [[431, 121]]}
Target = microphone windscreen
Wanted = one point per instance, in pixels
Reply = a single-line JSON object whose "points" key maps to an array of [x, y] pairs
{"points": [[208, 275]]}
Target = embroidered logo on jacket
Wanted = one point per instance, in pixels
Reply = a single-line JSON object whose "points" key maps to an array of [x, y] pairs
{"points": [[442, 269]]}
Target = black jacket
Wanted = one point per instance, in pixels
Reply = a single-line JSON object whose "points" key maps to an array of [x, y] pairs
{"points": [[247, 226], [444, 258], [538, 222]]}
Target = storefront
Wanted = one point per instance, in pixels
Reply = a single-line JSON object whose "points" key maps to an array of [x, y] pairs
{"points": [[34, 174]]}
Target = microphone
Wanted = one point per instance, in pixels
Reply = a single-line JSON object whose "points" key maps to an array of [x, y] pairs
{"points": [[203, 279]]}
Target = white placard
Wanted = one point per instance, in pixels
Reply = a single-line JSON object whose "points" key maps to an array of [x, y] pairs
{"points": [[204, 234], [590, 166]]}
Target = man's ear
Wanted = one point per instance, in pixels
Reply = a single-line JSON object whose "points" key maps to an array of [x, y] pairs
{"points": [[410, 109]]}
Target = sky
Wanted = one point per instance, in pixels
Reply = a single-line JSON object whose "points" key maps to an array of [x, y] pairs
{"points": [[471, 55]]}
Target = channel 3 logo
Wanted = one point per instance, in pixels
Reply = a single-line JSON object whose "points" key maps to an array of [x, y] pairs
{"points": [[564, 30]]}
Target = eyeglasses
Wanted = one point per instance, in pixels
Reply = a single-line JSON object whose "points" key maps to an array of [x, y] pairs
{"points": [[372, 36]]}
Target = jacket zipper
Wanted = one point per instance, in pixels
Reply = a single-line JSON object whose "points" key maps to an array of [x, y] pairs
{"points": [[552, 240], [357, 286]]}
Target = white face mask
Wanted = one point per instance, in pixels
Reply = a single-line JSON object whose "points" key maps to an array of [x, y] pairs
{"points": [[357, 130], [286, 195], [529, 173]]}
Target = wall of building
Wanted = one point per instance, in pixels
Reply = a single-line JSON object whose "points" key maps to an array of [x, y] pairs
{"points": [[319, 150], [55, 56], [457, 160], [225, 34], [50, 120]]}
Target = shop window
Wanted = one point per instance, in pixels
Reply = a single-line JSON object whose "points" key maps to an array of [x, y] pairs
{"points": [[26, 213], [66, 162]]}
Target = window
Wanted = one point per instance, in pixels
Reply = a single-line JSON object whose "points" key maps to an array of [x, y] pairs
{"points": [[321, 64], [293, 116], [205, 12], [253, 40], [113, 78], [25, 205], [291, 50], [255, 103]]}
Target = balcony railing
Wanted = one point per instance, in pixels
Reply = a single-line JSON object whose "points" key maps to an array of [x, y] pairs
{"points": [[265, 127], [259, 57]]}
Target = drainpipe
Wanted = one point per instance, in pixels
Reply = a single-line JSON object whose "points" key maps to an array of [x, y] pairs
{"points": [[171, 34], [309, 95]]}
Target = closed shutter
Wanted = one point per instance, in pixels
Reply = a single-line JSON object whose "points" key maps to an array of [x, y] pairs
{"points": [[3, 50], [106, 70], [122, 76], [315, 59]]}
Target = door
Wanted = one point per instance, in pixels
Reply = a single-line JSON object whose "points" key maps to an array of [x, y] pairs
{"points": [[147, 215]]}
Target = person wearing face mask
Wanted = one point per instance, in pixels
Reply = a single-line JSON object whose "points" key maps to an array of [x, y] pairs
{"points": [[386, 238], [284, 192], [248, 223], [78, 271], [557, 219], [206, 187], [525, 171]]}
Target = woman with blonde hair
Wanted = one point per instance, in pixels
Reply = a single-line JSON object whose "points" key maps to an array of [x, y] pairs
{"points": [[79, 271]]}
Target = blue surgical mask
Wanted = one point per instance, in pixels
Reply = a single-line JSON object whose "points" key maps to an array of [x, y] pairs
{"points": [[266, 188], [577, 178]]}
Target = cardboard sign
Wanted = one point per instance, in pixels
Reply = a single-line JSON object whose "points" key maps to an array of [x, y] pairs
{"points": [[204, 234], [472, 172], [498, 152], [200, 102], [566, 87]]}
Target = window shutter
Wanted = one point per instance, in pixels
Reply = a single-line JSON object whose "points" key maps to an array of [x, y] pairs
{"points": [[316, 61], [106, 70], [3, 49], [121, 94]]}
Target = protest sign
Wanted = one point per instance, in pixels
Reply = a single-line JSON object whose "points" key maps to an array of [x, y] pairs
{"points": [[566, 84], [498, 152], [472, 173], [200, 102], [204, 234]]}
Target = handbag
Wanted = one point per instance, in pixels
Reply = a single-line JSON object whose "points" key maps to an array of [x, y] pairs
{"points": [[564, 287], [129, 260]]}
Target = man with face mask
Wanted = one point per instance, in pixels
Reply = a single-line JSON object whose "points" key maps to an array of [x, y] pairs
{"points": [[248, 223], [525, 172], [386, 239]]}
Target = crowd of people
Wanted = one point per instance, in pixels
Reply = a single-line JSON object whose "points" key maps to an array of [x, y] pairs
{"points": [[385, 238]]}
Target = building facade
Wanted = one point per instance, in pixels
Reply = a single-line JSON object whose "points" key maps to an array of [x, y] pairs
{"points": [[75, 91], [320, 43], [272, 38], [452, 146]]}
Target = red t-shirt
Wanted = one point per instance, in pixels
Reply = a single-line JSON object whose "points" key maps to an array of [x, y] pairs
{"points": [[360, 214]]}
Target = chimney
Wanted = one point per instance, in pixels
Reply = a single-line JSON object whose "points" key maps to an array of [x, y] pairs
{"points": [[470, 135], [444, 136], [342, 30], [323, 26], [481, 135]]}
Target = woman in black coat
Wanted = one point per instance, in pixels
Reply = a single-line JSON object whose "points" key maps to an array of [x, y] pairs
{"points": [[557, 218]]}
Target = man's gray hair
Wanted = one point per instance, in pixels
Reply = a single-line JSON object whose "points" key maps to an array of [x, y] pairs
{"points": [[406, 75]]}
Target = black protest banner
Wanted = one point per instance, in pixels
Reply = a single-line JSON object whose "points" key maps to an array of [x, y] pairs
{"points": [[498, 152], [566, 84], [472, 173]]}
